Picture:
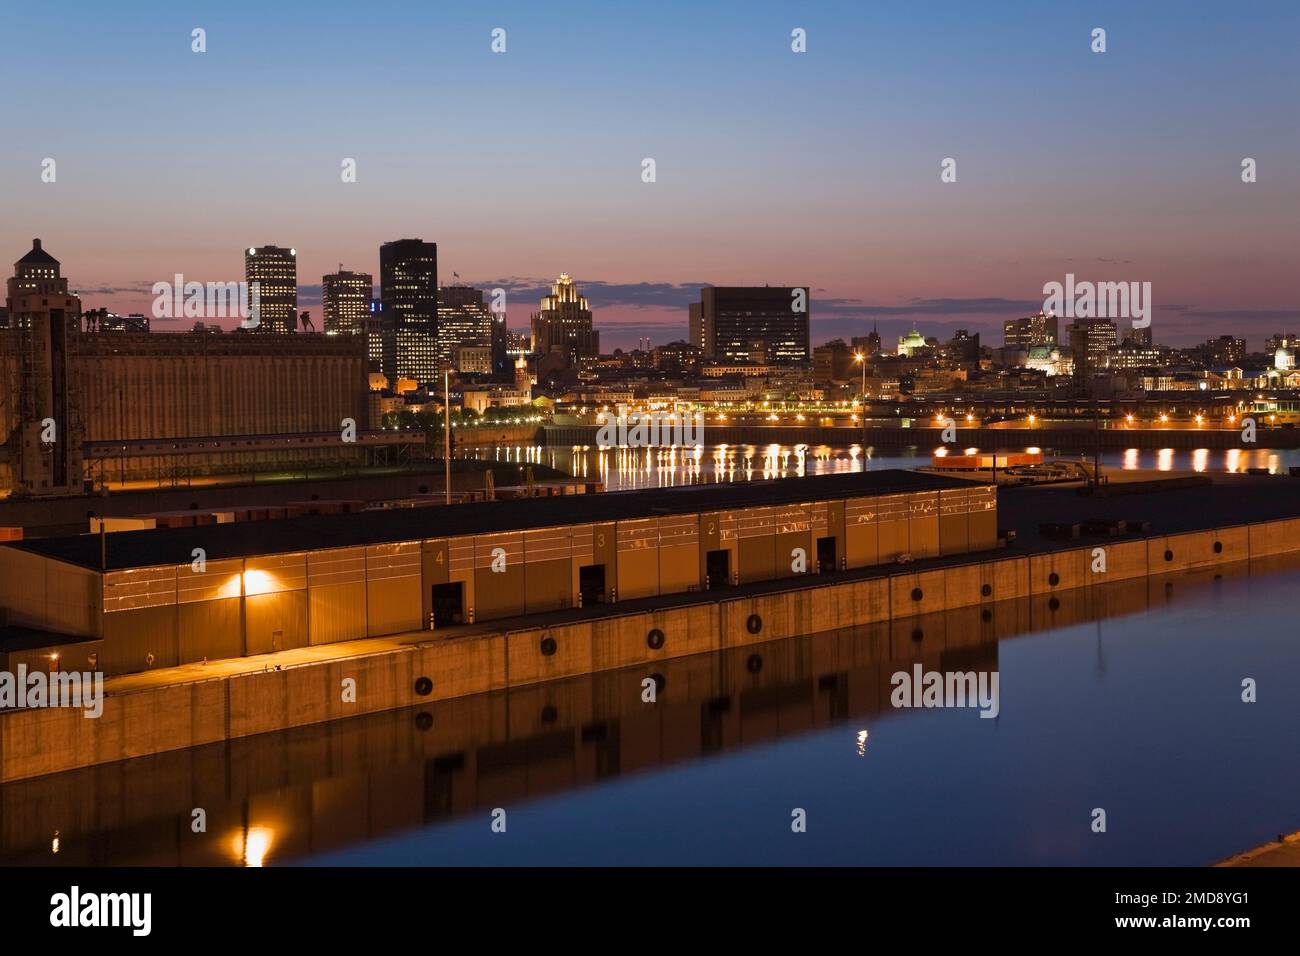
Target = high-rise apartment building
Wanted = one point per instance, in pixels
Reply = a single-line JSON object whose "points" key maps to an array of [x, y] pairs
{"points": [[275, 270], [754, 323], [346, 299]]}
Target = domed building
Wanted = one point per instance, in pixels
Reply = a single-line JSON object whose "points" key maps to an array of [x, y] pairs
{"points": [[911, 342]]}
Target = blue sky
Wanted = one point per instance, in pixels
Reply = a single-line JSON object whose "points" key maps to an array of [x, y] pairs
{"points": [[818, 168]]}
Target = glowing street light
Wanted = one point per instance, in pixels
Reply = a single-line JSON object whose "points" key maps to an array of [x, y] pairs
{"points": [[861, 359]]}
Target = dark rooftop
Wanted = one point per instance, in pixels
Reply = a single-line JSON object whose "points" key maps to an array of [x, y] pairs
{"points": [[137, 549], [15, 637], [37, 254]]}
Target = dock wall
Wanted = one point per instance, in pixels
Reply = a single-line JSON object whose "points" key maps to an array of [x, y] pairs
{"points": [[181, 715]]}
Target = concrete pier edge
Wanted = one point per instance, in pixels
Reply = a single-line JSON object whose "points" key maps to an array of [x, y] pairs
{"points": [[191, 712]]}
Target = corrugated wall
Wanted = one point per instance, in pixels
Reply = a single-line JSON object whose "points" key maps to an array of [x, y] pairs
{"points": [[393, 588], [638, 558], [160, 616], [337, 595], [498, 575]]}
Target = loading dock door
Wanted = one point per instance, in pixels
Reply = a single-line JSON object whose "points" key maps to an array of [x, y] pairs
{"points": [[448, 604], [826, 555], [718, 568], [591, 584]]}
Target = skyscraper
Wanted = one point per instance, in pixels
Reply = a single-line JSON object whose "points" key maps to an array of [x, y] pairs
{"points": [[463, 320], [408, 289], [1091, 342], [965, 347], [747, 323], [346, 299], [564, 324], [275, 270]]}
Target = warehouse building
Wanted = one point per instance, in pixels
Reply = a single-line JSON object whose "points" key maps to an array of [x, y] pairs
{"points": [[143, 599]]}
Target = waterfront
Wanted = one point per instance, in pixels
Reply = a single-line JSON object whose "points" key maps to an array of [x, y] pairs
{"points": [[629, 468], [590, 774]]}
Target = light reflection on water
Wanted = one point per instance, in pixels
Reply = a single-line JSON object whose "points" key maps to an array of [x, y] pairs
{"points": [[1140, 715], [1124, 696], [630, 468]]}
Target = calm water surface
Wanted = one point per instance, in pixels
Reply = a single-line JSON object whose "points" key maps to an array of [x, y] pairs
{"points": [[622, 468], [1126, 698]]}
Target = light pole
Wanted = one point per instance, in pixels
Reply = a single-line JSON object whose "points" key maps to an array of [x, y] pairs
{"points": [[861, 359], [446, 430]]}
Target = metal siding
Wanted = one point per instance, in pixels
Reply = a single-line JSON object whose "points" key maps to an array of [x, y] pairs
{"points": [[220, 580], [209, 629], [547, 544], [131, 636], [393, 580], [139, 588]]}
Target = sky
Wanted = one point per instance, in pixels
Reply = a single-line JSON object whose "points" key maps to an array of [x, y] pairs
{"points": [[819, 168]]}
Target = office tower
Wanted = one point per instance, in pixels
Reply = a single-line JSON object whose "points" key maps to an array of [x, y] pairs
{"points": [[408, 288], [275, 270], [39, 422], [346, 299], [563, 324], [737, 324], [1032, 330], [472, 359], [502, 362], [833, 362], [374, 327], [965, 347], [1091, 342], [463, 321], [868, 344]]}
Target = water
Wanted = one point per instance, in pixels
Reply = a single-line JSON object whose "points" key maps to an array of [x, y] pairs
{"points": [[1126, 698], [622, 469]]}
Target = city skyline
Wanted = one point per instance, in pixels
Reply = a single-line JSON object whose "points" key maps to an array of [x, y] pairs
{"points": [[824, 330], [821, 168]]}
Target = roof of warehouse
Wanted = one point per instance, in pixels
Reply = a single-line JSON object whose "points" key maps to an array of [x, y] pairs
{"points": [[137, 549]]}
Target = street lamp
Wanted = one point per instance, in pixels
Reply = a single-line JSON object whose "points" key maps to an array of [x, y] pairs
{"points": [[861, 359]]}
